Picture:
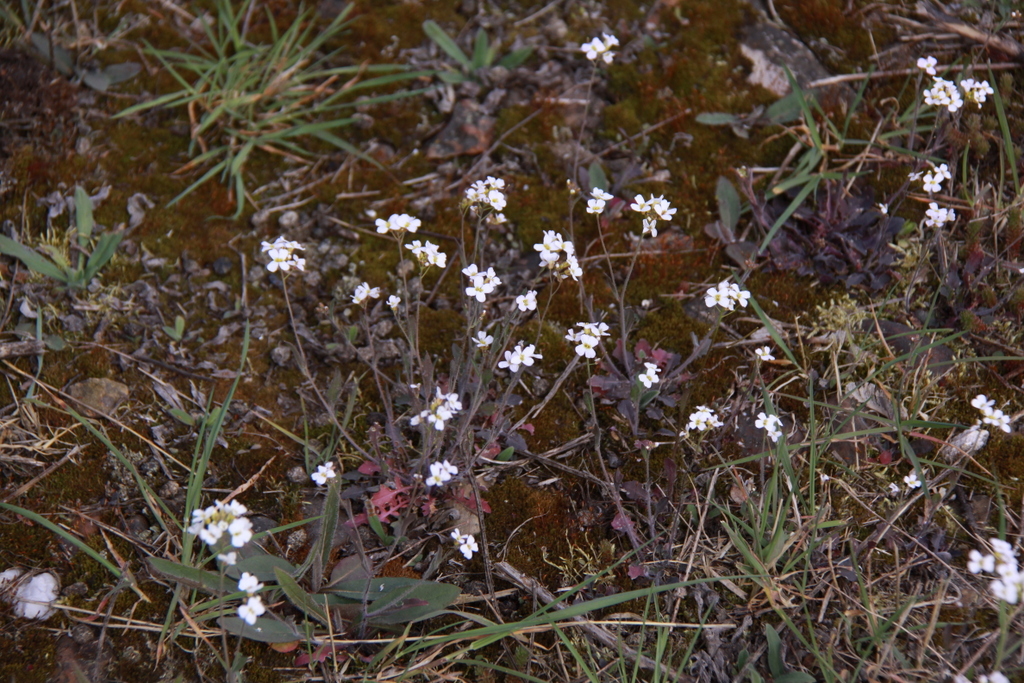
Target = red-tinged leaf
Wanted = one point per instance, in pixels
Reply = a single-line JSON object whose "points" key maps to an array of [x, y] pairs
{"points": [[285, 647], [369, 468], [636, 571], [622, 523], [320, 655], [490, 450], [643, 346], [529, 428]]}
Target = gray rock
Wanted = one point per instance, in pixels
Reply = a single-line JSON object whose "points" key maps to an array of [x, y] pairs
{"points": [[99, 394]]}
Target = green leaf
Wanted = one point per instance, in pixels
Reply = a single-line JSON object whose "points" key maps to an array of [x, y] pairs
{"points": [[515, 58], [62, 60], [83, 216], [192, 576], [778, 668], [716, 119], [443, 41], [54, 343], [300, 598], [795, 677], [181, 416], [101, 255], [118, 73], [263, 566], [265, 630], [728, 202], [786, 109], [35, 262], [378, 529], [505, 455], [480, 50], [406, 604], [597, 177]]}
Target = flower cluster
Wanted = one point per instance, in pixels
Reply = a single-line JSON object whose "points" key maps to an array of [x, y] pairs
{"points": [[702, 419], [480, 284], [488, 193], [600, 48], [994, 677], [281, 255], [441, 473], [943, 93], [990, 415], [467, 544], [932, 180], [363, 292], [976, 92], [661, 208], [937, 217], [587, 338], [551, 247], [726, 295], [323, 473], [427, 254], [771, 424], [599, 198], [519, 356], [649, 376], [211, 524], [1002, 562], [398, 222], [442, 408]]}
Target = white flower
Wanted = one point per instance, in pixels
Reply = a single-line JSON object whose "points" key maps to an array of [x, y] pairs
{"points": [[585, 347], [883, 208], [251, 610], [994, 677], [650, 376], [980, 563], [702, 419], [519, 356], [230, 559], [938, 217], [551, 247], [595, 329], [942, 172], [442, 408], [398, 222], [771, 424], [363, 292], [428, 254], [281, 255], [726, 295], [483, 340], [893, 489], [764, 353], [943, 93], [488, 193], [600, 48], [912, 481], [249, 583], [641, 205], [997, 418], [931, 183], [598, 193], [481, 284], [595, 206], [976, 92], [393, 302], [927, 64], [824, 477], [650, 227], [467, 544], [323, 473], [983, 403], [241, 531], [441, 473], [662, 208], [527, 302]]}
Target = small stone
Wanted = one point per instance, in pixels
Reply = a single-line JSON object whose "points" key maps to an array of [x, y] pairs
{"points": [[297, 475], [82, 634], [149, 467], [99, 394], [136, 524], [288, 220], [296, 540], [170, 489], [76, 590], [281, 355], [222, 266]]}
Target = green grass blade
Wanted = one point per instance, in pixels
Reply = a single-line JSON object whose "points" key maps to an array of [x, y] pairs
{"points": [[444, 41]]}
